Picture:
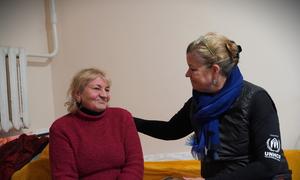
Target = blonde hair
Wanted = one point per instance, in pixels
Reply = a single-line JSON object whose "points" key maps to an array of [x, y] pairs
{"points": [[79, 82], [216, 49]]}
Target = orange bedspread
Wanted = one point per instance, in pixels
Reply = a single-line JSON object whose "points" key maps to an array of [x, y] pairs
{"points": [[153, 170]]}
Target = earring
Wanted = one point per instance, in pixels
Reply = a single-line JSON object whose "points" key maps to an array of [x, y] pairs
{"points": [[214, 82]]}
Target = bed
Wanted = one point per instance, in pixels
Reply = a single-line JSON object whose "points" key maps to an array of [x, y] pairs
{"points": [[157, 167]]}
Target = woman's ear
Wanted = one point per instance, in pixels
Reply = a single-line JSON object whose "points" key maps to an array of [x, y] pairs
{"points": [[215, 70], [77, 97]]}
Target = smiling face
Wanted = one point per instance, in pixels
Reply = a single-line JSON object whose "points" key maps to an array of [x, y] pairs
{"points": [[95, 96], [200, 75]]}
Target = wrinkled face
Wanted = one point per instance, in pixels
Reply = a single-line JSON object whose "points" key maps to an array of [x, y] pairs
{"points": [[200, 75], [95, 95]]}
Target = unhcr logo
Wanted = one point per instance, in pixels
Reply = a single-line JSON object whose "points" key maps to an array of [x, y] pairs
{"points": [[273, 144], [273, 155]]}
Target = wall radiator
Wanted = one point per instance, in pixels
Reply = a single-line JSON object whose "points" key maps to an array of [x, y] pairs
{"points": [[13, 89]]}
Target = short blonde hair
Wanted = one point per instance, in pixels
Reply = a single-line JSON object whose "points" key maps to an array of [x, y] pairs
{"points": [[216, 49], [79, 82]]}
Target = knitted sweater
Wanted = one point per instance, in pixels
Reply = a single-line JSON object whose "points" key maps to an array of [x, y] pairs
{"points": [[89, 147]]}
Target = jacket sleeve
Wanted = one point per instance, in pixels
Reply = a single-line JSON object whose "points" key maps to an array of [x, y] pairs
{"points": [[265, 142], [177, 127], [134, 163]]}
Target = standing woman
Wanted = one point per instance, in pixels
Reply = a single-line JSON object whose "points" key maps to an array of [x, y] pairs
{"points": [[94, 141], [235, 123]]}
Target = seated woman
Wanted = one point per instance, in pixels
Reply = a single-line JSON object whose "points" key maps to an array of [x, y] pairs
{"points": [[94, 141]]}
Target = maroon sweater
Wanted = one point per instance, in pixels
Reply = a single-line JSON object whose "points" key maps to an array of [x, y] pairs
{"points": [[88, 147]]}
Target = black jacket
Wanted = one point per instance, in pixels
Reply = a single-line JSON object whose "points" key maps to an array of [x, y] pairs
{"points": [[249, 135]]}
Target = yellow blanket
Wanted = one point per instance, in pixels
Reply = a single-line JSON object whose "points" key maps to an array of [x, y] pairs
{"points": [[39, 169]]}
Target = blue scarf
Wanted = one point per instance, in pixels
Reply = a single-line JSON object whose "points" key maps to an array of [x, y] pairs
{"points": [[209, 107]]}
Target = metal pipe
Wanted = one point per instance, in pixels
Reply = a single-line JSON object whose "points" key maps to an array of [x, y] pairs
{"points": [[53, 20]]}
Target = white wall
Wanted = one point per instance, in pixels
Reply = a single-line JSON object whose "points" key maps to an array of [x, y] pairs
{"points": [[141, 45], [22, 24]]}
